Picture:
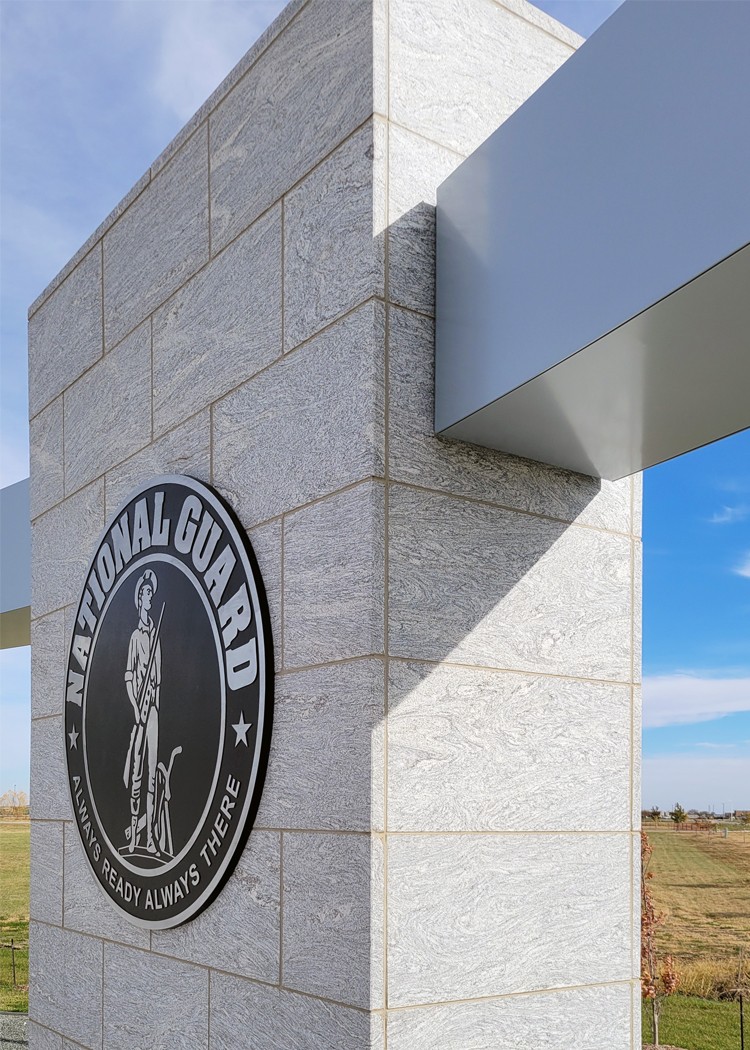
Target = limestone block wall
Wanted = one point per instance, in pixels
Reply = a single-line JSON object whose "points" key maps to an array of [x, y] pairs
{"points": [[445, 852]]}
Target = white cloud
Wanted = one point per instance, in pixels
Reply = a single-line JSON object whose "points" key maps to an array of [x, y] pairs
{"points": [[743, 569], [697, 782], [729, 515], [677, 699]]}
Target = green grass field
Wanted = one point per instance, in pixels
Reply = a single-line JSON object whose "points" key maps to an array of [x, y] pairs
{"points": [[698, 1024], [14, 912]]}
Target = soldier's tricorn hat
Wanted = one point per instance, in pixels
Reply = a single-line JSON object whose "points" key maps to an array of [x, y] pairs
{"points": [[149, 577]]}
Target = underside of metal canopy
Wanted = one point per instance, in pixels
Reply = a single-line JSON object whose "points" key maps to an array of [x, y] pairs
{"points": [[593, 255]]}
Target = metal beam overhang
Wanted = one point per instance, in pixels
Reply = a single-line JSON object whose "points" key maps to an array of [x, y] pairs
{"points": [[15, 566], [593, 255]]}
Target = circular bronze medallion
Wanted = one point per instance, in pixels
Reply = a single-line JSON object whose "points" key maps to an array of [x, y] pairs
{"points": [[168, 704]]}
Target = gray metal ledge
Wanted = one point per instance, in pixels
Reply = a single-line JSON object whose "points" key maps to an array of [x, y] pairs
{"points": [[15, 566], [593, 259]]}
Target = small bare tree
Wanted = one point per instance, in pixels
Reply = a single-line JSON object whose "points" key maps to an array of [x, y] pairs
{"points": [[658, 975], [14, 802]]}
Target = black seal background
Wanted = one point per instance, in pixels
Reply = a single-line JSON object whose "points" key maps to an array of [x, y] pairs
{"points": [[190, 671], [189, 708]]}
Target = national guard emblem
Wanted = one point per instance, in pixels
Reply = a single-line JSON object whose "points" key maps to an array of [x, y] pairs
{"points": [[168, 701]]}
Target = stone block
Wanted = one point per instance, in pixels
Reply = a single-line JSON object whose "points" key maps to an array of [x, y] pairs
{"points": [[220, 328], [637, 759], [477, 750], [87, 908], [50, 795], [49, 641], [416, 169], [65, 333], [574, 1019], [445, 87], [43, 1038], [240, 932], [333, 577], [266, 544], [46, 485], [481, 915], [46, 894], [418, 456], [65, 991], [306, 426], [335, 711], [330, 943], [636, 482], [637, 609], [151, 1001], [318, 74], [333, 246], [159, 242], [108, 411], [281, 1020], [185, 450], [62, 542], [474, 584]]}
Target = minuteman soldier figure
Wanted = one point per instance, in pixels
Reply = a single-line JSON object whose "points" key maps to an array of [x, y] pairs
{"points": [[143, 684]]}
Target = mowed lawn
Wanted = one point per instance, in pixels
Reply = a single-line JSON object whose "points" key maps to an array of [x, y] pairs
{"points": [[697, 1024], [14, 912], [702, 881]]}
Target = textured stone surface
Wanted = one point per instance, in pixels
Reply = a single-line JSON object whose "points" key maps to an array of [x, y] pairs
{"points": [[87, 908], [159, 242], [637, 758], [328, 932], [485, 750], [481, 915], [325, 769], [418, 456], [220, 328], [478, 585], [65, 334], [266, 543], [46, 486], [416, 169], [108, 411], [185, 450], [48, 654], [332, 259], [308, 425], [575, 1019], [320, 80], [66, 983], [50, 798], [281, 1020], [150, 1001], [448, 89], [637, 610], [62, 542], [42, 1038], [47, 865], [240, 931], [333, 577]]}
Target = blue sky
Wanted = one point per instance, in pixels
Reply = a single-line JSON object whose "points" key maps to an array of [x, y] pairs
{"points": [[92, 91]]}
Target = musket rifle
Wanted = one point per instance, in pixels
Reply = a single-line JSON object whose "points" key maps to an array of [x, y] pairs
{"points": [[142, 701]]}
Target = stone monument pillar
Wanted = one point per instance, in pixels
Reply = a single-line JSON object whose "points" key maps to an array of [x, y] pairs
{"points": [[446, 850]]}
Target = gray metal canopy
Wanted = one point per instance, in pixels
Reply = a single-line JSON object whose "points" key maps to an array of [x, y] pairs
{"points": [[593, 255], [15, 565]]}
